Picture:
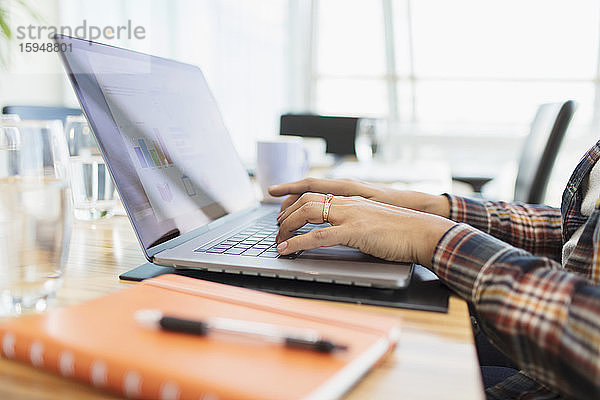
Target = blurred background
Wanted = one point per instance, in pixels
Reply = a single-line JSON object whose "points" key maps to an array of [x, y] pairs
{"points": [[456, 80]]}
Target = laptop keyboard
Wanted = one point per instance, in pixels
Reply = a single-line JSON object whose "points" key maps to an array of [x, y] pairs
{"points": [[258, 240]]}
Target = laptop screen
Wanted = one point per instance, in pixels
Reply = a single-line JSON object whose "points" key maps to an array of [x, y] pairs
{"points": [[162, 136]]}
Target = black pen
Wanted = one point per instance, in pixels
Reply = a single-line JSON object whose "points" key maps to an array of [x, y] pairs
{"points": [[306, 339]]}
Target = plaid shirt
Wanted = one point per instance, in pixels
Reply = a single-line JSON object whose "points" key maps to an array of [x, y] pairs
{"points": [[505, 258]]}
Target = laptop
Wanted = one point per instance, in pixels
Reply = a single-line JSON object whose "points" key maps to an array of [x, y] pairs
{"points": [[188, 196]]}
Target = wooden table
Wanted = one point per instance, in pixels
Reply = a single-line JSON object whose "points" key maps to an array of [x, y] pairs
{"points": [[435, 359]]}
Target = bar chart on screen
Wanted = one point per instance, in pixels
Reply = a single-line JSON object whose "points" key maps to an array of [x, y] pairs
{"points": [[155, 155], [159, 144], [169, 147]]}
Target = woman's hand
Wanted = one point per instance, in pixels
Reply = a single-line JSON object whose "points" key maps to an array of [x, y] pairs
{"points": [[430, 204], [382, 230]]}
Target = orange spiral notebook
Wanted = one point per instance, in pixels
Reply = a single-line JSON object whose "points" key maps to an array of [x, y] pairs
{"points": [[100, 343]]}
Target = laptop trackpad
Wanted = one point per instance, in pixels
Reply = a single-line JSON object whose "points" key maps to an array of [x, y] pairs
{"points": [[339, 253]]}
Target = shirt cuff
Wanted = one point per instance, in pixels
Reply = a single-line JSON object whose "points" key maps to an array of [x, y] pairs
{"points": [[462, 254], [470, 211]]}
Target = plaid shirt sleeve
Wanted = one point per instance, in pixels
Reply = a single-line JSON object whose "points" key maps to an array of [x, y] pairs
{"points": [[536, 229], [545, 318]]}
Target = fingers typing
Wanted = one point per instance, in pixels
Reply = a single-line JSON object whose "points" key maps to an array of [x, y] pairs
{"points": [[335, 186], [308, 212], [291, 199], [303, 199], [330, 236]]}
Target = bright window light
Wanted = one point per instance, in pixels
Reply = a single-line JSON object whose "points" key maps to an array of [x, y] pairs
{"points": [[534, 39], [350, 38], [456, 62]]}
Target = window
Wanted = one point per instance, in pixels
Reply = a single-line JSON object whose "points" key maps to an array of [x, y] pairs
{"points": [[454, 62], [350, 58]]}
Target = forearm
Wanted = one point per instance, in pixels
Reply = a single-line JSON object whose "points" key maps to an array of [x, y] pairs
{"points": [[552, 337], [428, 203]]}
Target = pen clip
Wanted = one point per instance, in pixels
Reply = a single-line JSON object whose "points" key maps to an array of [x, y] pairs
{"points": [[321, 346]]}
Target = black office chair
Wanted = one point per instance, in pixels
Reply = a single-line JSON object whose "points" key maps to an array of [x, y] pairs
{"points": [[339, 132], [41, 112], [538, 153], [540, 150]]}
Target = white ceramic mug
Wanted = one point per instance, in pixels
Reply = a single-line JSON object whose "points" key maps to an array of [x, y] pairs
{"points": [[279, 160]]}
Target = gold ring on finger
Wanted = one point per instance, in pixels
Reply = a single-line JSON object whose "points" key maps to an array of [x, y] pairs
{"points": [[327, 206]]}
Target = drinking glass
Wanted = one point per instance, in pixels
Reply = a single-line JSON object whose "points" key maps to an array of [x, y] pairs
{"points": [[35, 213], [370, 138], [94, 194]]}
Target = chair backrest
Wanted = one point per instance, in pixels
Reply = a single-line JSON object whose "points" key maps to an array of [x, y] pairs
{"points": [[540, 149], [41, 112], [339, 132]]}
